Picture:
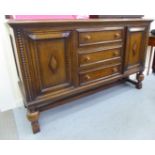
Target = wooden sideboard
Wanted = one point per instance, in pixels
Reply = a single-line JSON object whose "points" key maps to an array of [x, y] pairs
{"points": [[63, 60]]}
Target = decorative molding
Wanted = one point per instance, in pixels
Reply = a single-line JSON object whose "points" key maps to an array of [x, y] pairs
{"points": [[130, 31], [94, 50], [53, 64], [48, 35], [99, 29], [35, 37], [136, 29], [134, 48], [100, 42], [24, 63]]}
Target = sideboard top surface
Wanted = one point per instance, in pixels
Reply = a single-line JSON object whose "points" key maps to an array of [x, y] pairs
{"points": [[107, 20]]}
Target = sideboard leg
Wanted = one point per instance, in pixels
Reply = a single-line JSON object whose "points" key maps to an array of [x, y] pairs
{"points": [[140, 78], [33, 118]]}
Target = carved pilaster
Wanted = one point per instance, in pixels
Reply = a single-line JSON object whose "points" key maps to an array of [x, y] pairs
{"points": [[24, 64]]}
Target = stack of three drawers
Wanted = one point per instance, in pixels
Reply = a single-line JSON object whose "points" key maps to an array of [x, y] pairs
{"points": [[100, 53]]}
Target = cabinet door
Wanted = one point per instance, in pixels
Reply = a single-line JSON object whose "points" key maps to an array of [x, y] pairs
{"points": [[135, 48], [51, 57]]}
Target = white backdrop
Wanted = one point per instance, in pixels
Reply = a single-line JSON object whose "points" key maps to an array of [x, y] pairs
{"points": [[9, 93]]}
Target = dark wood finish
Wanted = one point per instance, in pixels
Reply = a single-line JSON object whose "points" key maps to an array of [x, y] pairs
{"points": [[152, 44], [63, 60]]}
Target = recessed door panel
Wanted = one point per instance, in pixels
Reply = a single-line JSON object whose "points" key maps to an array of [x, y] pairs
{"points": [[134, 47], [52, 63]]}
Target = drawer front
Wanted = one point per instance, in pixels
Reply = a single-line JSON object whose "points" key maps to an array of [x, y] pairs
{"points": [[100, 36], [99, 74], [99, 57]]}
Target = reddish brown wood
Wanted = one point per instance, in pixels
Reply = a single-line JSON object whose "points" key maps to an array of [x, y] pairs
{"points": [[64, 60]]}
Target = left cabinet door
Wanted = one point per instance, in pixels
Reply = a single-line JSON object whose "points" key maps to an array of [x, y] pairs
{"points": [[50, 55]]}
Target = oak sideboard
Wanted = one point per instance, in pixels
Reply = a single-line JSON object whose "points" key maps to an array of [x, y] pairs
{"points": [[62, 60]]}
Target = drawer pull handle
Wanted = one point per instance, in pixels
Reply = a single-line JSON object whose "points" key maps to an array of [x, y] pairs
{"points": [[87, 58], [88, 37], [115, 70], [87, 77], [116, 53], [117, 35]]}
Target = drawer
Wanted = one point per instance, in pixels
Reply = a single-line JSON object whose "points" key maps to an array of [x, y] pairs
{"points": [[101, 73], [99, 56], [100, 36]]}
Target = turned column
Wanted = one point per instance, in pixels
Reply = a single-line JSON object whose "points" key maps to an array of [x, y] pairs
{"points": [[140, 78], [33, 118]]}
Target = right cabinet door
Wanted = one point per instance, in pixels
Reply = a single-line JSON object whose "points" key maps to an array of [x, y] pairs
{"points": [[135, 48]]}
